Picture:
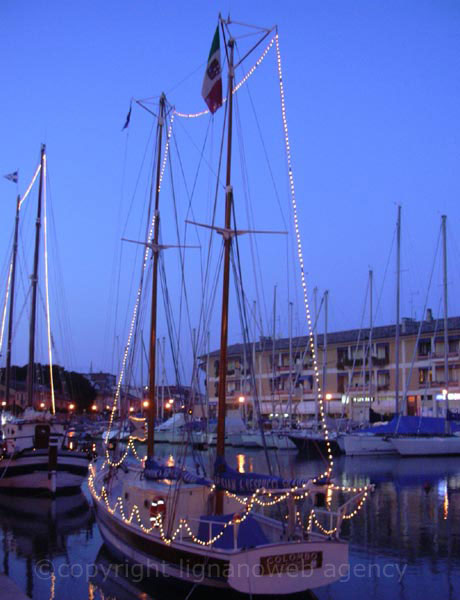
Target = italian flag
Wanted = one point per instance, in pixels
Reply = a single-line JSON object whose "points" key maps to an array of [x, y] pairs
{"points": [[212, 83]]}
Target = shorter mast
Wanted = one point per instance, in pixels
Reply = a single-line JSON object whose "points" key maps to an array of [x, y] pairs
{"points": [[446, 334], [153, 322], [11, 311], [371, 325], [34, 278], [398, 283]]}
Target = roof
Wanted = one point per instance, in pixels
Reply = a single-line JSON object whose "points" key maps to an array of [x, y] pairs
{"points": [[408, 328]]}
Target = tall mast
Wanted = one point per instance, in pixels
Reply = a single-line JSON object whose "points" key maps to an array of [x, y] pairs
{"points": [[153, 321], [398, 283], [446, 337], [33, 312], [10, 317], [220, 449]]}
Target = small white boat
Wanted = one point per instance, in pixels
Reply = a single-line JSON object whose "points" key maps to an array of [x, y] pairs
{"points": [[360, 444], [448, 445]]}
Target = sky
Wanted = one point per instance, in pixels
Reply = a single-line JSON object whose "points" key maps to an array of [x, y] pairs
{"points": [[373, 106]]}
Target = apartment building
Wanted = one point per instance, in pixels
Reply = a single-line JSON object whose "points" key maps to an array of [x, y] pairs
{"points": [[356, 370]]}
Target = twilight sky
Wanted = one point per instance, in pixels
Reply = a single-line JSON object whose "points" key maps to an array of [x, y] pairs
{"points": [[373, 106]]}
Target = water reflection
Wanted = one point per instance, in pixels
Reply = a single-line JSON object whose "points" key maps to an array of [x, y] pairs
{"points": [[404, 543]]}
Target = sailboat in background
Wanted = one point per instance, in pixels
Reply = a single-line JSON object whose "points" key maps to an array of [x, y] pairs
{"points": [[232, 531], [442, 440], [375, 440], [34, 455]]}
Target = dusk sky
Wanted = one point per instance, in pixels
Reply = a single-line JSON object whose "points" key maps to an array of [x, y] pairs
{"points": [[373, 107]]}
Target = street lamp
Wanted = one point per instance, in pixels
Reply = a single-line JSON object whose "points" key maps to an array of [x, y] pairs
{"points": [[94, 408], [71, 406]]}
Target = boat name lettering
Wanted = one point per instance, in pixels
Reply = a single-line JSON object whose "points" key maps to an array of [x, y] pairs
{"points": [[294, 561]]}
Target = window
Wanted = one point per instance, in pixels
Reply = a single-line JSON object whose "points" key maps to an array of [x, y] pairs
{"points": [[424, 347]]}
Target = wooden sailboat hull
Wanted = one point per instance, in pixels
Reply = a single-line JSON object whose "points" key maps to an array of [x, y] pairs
{"points": [[29, 472], [273, 569]]}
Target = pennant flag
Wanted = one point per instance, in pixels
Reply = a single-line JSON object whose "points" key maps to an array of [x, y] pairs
{"points": [[212, 83], [128, 117], [12, 177]]}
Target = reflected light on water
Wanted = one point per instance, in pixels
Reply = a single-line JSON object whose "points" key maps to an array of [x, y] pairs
{"points": [[241, 461]]}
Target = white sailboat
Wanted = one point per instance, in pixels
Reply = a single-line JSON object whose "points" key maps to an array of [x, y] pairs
{"points": [[35, 457], [435, 445], [220, 532]]}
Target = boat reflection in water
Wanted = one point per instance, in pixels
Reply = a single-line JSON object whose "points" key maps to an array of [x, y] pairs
{"points": [[36, 532], [411, 523]]}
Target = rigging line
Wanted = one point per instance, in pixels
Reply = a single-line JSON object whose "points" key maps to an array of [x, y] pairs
{"points": [[356, 348], [255, 255], [62, 310], [214, 210], [120, 247], [48, 315], [239, 281], [379, 298], [191, 194], [200, 151], [414, 354], [264, 147], [182, 257]]}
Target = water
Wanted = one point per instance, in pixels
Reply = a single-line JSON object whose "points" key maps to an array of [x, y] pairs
{"points": [[404, 544]]}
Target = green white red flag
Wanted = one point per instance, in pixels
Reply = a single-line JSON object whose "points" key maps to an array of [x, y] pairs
{"points": [[212, 83]]}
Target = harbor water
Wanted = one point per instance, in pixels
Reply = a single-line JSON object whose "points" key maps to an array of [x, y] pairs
{"points": [[404, 543]]}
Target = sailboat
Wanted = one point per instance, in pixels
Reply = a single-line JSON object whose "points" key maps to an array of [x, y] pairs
{"points": [[34, 455], [250, 533], [376, 440], [441, 440]]}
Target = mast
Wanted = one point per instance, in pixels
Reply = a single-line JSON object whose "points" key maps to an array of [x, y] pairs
{"points": [[34, 279], [315, 341], [326, 295], [273, 354], [446, 336], [371, 325], [220, 450], [398, 283], [153, 321], [290, 365], [11, 311]]}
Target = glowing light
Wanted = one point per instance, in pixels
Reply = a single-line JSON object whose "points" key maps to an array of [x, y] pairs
{"points": [[328, 396], [131, 409], [94, 407], [145, 404], [236, 87], [301, 262], [241, 399], [71, 406], [47, 296], [42, 405], [4, 403]]}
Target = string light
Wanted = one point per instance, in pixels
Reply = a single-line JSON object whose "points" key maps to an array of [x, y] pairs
{"points": [[8, 285], [237, 86], [260, 497], [47, 296], [301, 263], [131, 439]]}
